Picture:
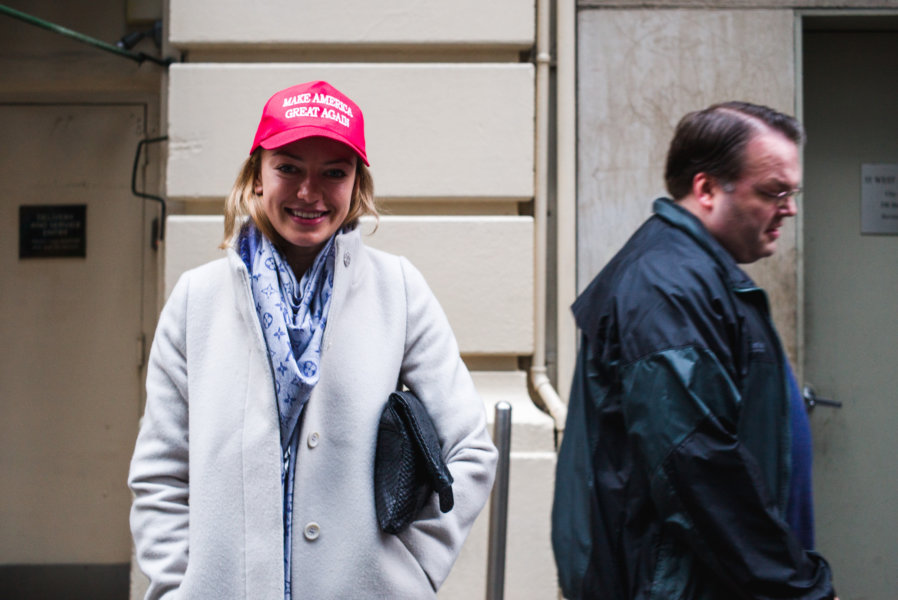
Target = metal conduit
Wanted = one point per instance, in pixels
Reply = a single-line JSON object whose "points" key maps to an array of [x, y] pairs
{"points": [[32, 20], [158, 230], [495, 570]]}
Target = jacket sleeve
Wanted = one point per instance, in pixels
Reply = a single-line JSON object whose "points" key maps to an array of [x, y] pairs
{"points": [[158, 476], [706, 485], [433, 370], [572, 512]]}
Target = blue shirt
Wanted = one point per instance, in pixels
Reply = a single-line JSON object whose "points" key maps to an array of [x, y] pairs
{"points": [[800, 510]]}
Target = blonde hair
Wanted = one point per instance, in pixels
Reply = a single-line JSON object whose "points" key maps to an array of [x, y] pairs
{"points": [[243, 201]]}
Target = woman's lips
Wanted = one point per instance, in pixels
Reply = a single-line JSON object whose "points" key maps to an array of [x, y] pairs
{"points": [[305, 215]]}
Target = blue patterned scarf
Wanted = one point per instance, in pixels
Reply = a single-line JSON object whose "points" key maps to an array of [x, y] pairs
{"points": [[293, 317]]}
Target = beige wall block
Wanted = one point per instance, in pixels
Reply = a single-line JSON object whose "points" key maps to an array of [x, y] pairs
{"points": [[433, 131], [530, 572], [190, 241], [639, 72], [532, 429], [641, 4], [480, 268], [345, 22], [529, 564]]}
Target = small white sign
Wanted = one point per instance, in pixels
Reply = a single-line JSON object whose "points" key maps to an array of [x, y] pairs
{"points": [[879, 198]]}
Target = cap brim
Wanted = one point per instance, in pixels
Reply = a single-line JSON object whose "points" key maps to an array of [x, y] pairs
{"points": [[306, 131]]}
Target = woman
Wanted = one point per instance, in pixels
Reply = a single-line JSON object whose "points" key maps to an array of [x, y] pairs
{"points": [[253, 469]]}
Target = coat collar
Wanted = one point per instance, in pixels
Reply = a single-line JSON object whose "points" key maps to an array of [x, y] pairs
{"points": [[350, 255], [677, 216]]}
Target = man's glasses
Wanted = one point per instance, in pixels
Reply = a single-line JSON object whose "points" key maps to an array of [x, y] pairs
{"points": [[780, 197]]}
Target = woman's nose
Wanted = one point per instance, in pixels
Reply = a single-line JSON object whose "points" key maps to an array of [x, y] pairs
{"points": [[309, 190]]}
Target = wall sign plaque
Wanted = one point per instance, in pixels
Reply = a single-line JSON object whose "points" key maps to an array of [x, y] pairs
{"points": [[879, 198], [53, 231]]}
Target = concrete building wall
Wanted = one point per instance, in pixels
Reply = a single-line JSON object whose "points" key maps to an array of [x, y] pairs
{"points": [[640, 67], [449, 101], [70, 372], [639, 71], [504, 24], [448, 90], [434, 131]]}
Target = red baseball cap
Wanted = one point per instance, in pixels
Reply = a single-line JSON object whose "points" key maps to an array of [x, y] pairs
{"points": [[311, 109]]}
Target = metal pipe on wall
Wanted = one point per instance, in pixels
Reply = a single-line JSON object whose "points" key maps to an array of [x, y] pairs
{"points": [[540, 381], [495, 565], [566, 190]]}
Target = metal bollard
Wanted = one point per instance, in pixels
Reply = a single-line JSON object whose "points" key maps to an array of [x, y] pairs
{"points": [[495, 571]]}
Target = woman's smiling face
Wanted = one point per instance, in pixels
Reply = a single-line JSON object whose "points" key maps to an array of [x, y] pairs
{"points": [[306, 189]]}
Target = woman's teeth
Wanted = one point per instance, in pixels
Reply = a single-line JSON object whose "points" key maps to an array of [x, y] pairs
{"points": [[304, 215]]}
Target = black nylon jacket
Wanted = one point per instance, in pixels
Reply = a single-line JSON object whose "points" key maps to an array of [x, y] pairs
{"points": [[673, 475]]}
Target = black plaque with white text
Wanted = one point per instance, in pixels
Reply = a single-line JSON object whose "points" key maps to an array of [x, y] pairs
{"points": [[53, 231]]}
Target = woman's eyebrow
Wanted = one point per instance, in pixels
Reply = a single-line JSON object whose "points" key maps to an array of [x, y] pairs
{"points": [[281, 152]]}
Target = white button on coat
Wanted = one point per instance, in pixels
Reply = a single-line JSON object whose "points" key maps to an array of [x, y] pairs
{"points": [[314, 438], [312, 531]]}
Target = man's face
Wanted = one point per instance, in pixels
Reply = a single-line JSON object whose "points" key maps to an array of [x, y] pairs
{"points": [[747, 214]]}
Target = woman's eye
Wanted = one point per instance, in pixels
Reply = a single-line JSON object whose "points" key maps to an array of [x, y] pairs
{"points": [[286, 168], [336, 173]]}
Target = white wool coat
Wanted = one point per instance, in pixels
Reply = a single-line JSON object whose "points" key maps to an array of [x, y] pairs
{"points": [[206, 474]]}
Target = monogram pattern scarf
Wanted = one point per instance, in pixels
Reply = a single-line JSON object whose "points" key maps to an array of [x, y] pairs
{"points": [[293, 316]]}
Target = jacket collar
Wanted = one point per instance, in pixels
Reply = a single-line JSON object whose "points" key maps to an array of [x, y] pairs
{"points": [[677, 216], [350, 253], [350, 257], [349, 250]]}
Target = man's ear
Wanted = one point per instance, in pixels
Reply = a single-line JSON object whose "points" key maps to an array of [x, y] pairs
{"points": [[704, 190]]}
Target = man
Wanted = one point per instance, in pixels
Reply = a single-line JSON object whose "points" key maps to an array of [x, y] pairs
{"points": [[684, 470]]}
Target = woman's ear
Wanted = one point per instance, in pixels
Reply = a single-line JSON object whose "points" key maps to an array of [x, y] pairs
{"points": [[257, 186]]}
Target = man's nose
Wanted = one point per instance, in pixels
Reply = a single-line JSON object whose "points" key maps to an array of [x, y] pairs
{"points": [[790, 208]]}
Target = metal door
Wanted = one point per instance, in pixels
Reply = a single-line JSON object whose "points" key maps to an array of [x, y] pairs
{"points": [[69, 358], [851, 301]]}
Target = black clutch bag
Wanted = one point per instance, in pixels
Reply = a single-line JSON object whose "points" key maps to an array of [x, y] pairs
{"points": [[408, 464]]}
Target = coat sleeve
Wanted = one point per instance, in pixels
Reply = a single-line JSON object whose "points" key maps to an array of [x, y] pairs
{"points": [[706, 485], [572, 511], [433, 370], [158, 476]]}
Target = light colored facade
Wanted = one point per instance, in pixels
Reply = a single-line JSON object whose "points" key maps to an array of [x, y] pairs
{"points": [[640, 67], [514, 144], [448, 94]]}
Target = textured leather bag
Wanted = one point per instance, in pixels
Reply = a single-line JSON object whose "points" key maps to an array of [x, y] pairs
{"points": [[408, 464]]}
